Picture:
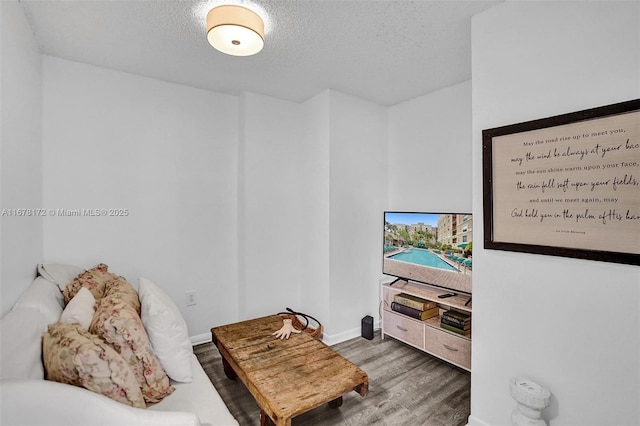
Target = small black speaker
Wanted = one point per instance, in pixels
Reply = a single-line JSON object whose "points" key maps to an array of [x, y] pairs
{"points": [[367, 327]]}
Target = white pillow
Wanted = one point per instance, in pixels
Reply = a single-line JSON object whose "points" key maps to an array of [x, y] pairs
{"points": [[59, 274], [167, 331], [80, 309]]}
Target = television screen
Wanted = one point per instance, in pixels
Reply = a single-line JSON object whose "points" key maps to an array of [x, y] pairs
{"points": [[432, 248]]}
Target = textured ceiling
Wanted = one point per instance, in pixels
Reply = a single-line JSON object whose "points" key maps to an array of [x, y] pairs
{"points": [[383, 51]]}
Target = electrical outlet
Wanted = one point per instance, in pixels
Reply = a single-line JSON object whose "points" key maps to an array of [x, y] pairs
{"points": [[192, 297]]}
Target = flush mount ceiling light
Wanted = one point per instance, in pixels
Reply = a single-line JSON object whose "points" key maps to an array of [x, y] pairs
{"points": [[235, 30]]}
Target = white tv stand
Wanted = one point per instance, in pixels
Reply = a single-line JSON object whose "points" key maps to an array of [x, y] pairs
{"points": [[427, 335]]}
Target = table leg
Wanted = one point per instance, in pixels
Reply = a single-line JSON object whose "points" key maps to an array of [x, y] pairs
{"points": [[335, 403], [228, 370], [266, 420], [362, 388]]}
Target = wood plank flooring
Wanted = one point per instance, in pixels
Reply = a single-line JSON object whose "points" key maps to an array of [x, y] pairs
{"points": [[406, 387]]}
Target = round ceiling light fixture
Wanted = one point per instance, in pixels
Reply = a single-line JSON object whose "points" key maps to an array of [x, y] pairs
{"points": [[235, 30]]}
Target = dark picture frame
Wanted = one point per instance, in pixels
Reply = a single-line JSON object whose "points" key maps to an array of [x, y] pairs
{"points": [[567, 185]]}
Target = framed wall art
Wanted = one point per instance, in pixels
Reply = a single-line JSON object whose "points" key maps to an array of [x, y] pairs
{"points": [[567, 185]]}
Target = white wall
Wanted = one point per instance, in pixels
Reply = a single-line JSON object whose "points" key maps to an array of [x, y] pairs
{"points": [[313, 186], [430, 152], [570, 325], [271, 184], [165, 152], [313, 207], [358, 193], [20, 152]]}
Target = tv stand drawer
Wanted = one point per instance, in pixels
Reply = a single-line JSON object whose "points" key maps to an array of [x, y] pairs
{"points": [[454, 349], [403, 328]]}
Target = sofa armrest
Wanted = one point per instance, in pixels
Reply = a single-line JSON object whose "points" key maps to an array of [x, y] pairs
{"points": [[42, 402]]}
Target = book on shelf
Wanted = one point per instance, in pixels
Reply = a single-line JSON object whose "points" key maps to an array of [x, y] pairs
{"points": [[455, 329], [412, 312], [455, 323], [461, 317], [414, 302]]}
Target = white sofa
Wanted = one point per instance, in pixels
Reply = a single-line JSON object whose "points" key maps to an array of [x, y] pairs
{"points": [[26, 398]]}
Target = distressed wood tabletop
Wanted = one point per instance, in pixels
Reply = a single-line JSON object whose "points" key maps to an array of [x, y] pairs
{"points": [[287, 377]]}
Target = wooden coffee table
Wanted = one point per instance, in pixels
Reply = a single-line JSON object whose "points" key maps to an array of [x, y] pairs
{"points": [[286, 377]]}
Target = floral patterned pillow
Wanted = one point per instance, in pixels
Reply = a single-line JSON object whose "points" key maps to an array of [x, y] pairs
{"points": [[94, 279], [74, 356], [121, 290], [117, 323]]}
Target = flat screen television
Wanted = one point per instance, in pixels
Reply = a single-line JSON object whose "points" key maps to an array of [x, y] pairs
{"points": [[431, 248]]}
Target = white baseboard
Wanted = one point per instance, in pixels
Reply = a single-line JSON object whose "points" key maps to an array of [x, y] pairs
{"points": [[200, 338], [333, 339], [474, 421]]}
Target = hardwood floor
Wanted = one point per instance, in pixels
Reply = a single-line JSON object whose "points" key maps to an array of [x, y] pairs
{"points": [[406, 387]]}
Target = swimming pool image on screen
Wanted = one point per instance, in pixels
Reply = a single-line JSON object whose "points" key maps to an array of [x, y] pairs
{"points": [[424, 258], [430, 248]]}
